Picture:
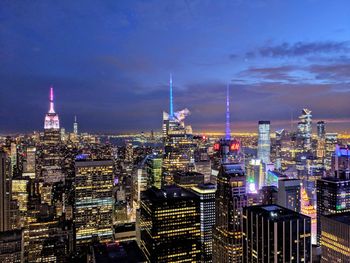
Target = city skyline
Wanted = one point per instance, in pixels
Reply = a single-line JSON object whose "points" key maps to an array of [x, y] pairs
{"points": [[113, 71]]}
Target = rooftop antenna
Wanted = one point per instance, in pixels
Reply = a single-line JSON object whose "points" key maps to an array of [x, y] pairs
{"points": [[228, 130], [171, 110], [52, 110]]}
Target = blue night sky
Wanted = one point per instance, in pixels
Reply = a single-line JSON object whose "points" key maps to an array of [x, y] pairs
{"points": [[109, 62]]}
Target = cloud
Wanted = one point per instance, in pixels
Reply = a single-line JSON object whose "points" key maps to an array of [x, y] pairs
{"points": [[335, 71], [283, 73], [298, 49]]}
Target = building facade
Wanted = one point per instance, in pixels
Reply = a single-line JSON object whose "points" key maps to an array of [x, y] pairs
{"points": [[93, 201], [275, 234], [170, 225]]}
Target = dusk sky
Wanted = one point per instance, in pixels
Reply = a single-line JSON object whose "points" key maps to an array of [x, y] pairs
{"points": [[109, 62]]}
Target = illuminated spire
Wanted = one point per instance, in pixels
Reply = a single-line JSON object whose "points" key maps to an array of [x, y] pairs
{"points": [[171, 110], [228, 130], [52, 110]]}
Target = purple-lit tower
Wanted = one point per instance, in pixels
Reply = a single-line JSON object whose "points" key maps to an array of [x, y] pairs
{"points": [[51, 118], [52, 124]]}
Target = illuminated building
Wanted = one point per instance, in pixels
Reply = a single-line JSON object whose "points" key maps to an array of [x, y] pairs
{"points": [[321, 131], [140, 184], [264, 142], [305, 129], [230, 198], [206, 195], [309, 210], [255, 175], [340, 161], [279, 134], [13, 157], [188, 179], [48, 240], [29, 169], [93, 201], [75, 126], [170, 225], [154, 171], [333, 196], [275, 234], [11, 246], [20, 190], [178, 142], [331, 140], [52, 124], [129, 153], [289, 194], [321, 134], [335, 237], [272, 178], [5, 191]]}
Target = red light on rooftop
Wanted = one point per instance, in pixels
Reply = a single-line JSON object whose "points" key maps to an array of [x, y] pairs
{"points": [[217, 146], [234, 146]]}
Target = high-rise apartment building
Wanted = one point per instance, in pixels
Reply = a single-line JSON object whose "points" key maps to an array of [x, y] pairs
{"points": [[289, 194], [93, 201], [272, 233], [264, 141], [170, 225]]}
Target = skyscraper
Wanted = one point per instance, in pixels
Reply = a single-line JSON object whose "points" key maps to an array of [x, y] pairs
{"points": [[289, 194], [264, 142], [178, 142], [321, 131], [275, 234], [5, 191], [75, 125], [321, 138], [305, 129], [93, 201], [205, 194], [154, 171], [333, 196], [170, 225], [331, 140], [230, 198], [52, 123]]}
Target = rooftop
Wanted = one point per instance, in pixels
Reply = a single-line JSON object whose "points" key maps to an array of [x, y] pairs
{"points": [[342, 217], [275, 212]]}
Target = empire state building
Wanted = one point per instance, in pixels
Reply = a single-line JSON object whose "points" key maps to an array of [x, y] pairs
{"points": [[52, 123]]}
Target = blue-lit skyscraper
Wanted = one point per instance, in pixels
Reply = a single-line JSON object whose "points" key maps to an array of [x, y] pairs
{"points": [[264, 142]]}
